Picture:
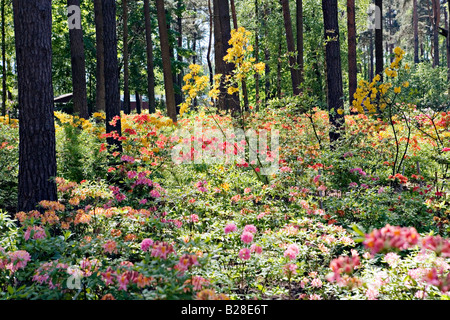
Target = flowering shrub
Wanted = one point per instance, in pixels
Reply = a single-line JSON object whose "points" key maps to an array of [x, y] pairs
{"points": [[367, 220]]}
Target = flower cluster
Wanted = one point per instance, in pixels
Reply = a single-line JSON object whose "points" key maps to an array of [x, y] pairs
{"points": [[399, 177], [195, 84], [437, 244], [344, 265], [391, 238], [372, 95]]}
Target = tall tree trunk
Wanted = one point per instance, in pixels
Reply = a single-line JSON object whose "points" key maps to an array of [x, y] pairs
{"points": [[379, 53], [352, 64], [244, 83], [257, 77], [194, 61], [436, 22], [150, 63], [291, 47], [268, 94], [334, 69], [80, 106], [208, 55], [4, 75], [222, 34], [138, 103], [218, 56], [233, 14], [37, 146], [112, 96], [416, 31], [165, 55], [126, 70], [279, 66], [300, 40], [371, 49], [180, 45], [100, 52]]}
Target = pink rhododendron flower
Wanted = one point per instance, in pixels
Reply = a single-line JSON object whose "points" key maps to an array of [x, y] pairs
{"points": [[110, 246], [256, 248], [231, 227], [39, 233], [291, 251], [316, 283], [17, 260], [162, 250], [250, 228], [123, 280], [445, 149], [247, 237], [390, 237], [244, 254], [392, 259], [108, 276], [146, 244], [437, 244], [290, 269]]}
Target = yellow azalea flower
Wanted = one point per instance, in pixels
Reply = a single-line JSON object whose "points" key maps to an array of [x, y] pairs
{"points": [[406, 84], [232, 90], [397, 90], [340, 111]]}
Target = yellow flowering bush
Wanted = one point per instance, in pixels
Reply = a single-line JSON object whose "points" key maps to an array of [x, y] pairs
{"points": [[195, 83], [374, 96], [239, 54]]}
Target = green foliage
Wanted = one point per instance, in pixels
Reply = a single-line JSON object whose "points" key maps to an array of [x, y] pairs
{"points": [[9, 169], [429, 87], [78, 154]]}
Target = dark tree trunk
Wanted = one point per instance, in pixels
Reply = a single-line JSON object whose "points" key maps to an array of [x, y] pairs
{"points": [[37, 147], [233, 14], [372, 68], [257, 77], [112, 96], [244, 83], [222, 34], [379, 55], [126, 70], [352, 64], [138, 103], [280, 47], [218, 56], [4, 75], [436, 22], [165, 55], [416, 31], [179, 98], [268, 94], [300, 40], [334, 69], [100, 73], [291, 47], [80, 106], [150, 63], [208, 55]]}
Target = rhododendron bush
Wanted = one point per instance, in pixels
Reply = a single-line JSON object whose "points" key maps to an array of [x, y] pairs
{"points": [[159, 222]]}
